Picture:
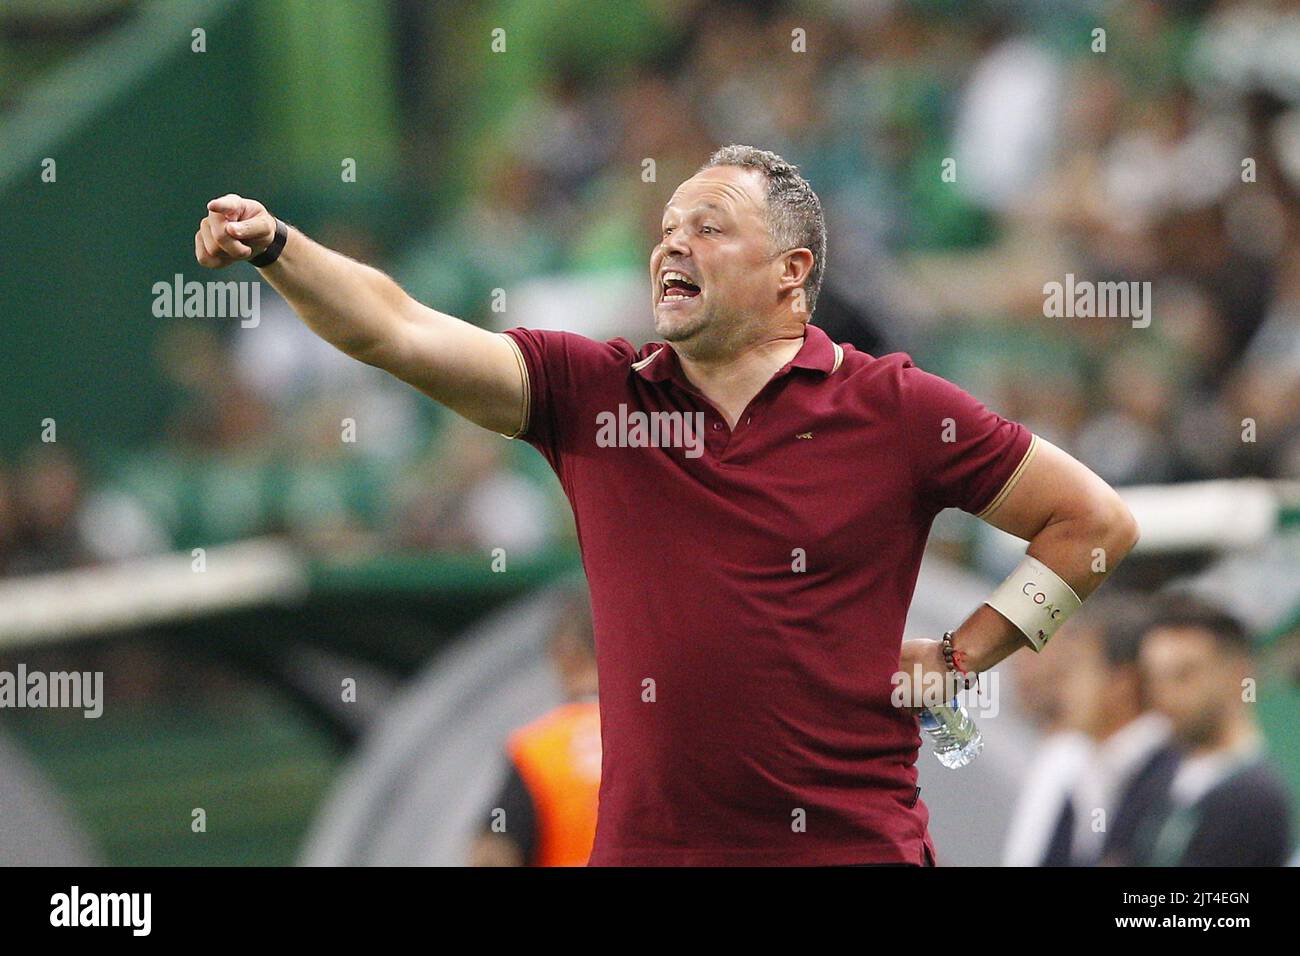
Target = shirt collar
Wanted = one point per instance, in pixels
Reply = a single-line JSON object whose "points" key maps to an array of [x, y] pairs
{"points": [[1198, 775], [817, 353]]}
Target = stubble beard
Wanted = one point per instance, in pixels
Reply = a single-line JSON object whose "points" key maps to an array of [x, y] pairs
{"points": [[683, 329]]}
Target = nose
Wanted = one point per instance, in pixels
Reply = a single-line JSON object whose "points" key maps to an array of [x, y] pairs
{"points": [[675, 244]]}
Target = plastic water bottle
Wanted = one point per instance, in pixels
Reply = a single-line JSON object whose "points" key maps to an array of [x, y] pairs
{"points": [[954, 736]]}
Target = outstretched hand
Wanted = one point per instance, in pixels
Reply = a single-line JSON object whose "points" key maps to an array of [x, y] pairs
{"points": [[234, 229]]}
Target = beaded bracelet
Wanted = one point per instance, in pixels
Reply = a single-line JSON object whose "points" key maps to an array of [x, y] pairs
{"points": [[956, 661]]}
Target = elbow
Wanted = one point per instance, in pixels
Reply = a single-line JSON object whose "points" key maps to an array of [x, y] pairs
{"points": [[1117, 526], [1103, 525]]}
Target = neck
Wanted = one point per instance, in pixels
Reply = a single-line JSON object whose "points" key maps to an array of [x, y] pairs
{"points": [[732, 379], [1115, 721], [1238, 731]]}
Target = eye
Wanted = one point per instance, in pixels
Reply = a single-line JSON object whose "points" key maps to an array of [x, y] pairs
{"points": [[667, 229]]}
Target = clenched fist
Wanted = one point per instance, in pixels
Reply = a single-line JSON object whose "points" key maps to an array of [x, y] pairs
{"points": [[234, 229]]}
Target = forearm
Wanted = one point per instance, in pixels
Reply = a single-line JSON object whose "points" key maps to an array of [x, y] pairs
{"points": [[362, 312], [354, 307], [1082, 550]]}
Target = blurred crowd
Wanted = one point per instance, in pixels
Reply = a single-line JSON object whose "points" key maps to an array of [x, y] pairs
{"points": [[1137, 141], [1152, 751], [1141, 141]]}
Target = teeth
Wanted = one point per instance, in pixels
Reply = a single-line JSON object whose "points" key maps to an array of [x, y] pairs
{"points": [[673, 295]]}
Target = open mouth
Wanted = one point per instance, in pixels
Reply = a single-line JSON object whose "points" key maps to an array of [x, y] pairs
{"points": [[676, 287]]}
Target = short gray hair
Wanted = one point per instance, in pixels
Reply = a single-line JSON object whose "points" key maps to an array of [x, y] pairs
{"points": [[794, 213]]}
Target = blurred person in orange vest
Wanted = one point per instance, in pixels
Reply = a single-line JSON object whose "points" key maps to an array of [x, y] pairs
{"points": [[545, 812]]}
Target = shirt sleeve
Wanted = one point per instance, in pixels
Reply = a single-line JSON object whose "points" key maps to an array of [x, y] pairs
{"points": [[563, 372], [962, 455]]}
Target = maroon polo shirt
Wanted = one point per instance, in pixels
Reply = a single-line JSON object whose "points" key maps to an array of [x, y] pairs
{"points": [[749, 601]]}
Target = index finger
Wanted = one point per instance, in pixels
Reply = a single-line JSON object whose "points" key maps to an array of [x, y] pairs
{"points": [[229, 205]]}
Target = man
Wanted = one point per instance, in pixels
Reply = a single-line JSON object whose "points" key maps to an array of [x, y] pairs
{"points": [[548, 802], [1224, 805], [752, 503], [1084, 816]]}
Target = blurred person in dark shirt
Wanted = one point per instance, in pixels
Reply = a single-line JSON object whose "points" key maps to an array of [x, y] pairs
{"points": [[1129, 744], [44, 513], [1075, 806], [1224, 804]]}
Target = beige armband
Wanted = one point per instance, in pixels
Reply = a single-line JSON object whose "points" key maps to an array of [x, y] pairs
{"points": [[1035, 600]]}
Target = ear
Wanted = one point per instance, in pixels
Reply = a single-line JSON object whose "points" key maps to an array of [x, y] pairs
{"points": [[797, 264]]}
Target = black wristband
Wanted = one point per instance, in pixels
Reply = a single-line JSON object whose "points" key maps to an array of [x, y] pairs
{"points": [[272, 252]]}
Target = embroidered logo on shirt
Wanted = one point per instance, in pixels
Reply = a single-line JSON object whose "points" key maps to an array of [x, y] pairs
{"points": [[804, 435]]}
